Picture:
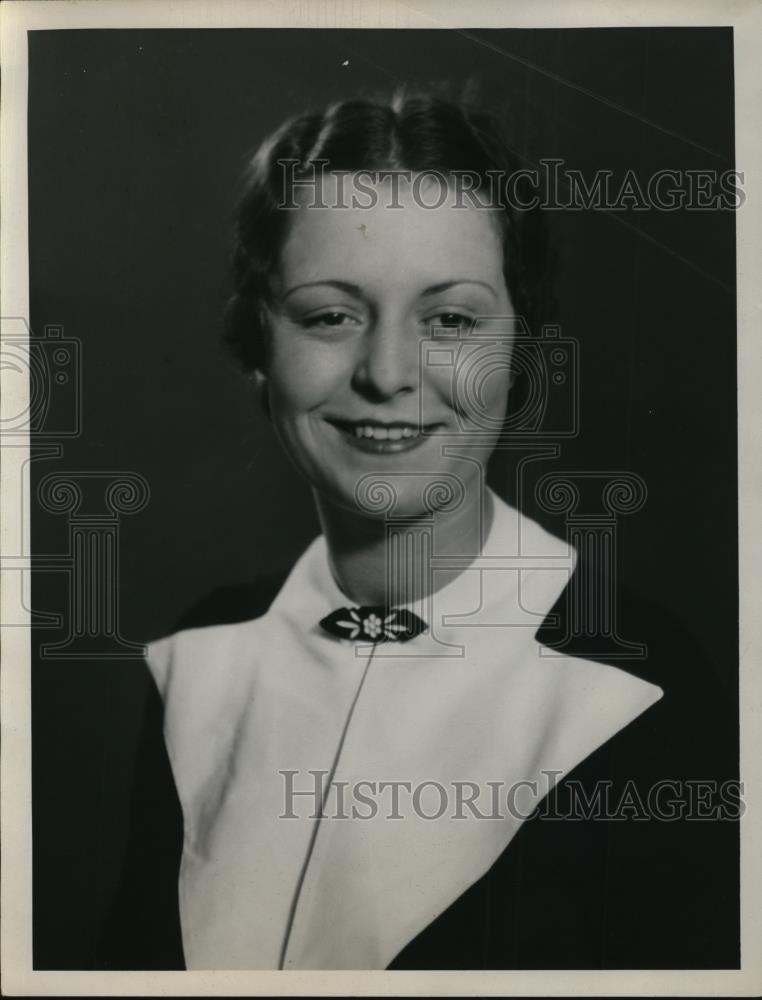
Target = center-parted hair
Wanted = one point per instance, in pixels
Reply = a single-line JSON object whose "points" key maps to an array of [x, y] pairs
{"points": [[417, 133]]}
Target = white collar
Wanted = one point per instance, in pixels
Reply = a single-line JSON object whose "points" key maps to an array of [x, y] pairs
{"points": [[474, 701]]}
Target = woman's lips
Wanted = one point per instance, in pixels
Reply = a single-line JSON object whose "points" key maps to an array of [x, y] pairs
{"points": [[381, 438]]}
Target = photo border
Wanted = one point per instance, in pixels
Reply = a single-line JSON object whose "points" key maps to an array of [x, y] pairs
{"points": [[18, 17]]}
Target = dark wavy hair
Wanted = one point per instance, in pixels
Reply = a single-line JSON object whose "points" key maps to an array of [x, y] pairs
{"points": [[416, 132]]}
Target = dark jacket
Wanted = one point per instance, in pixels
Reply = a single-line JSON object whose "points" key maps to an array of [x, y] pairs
{"points": [[596, 881]]}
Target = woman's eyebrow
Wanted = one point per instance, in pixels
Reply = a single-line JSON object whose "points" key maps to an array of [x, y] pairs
{"points": [[443, 286], [343, 286], [352, 289]]}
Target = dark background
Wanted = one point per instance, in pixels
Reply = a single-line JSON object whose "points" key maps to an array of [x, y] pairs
{"points": [[136, 143]]}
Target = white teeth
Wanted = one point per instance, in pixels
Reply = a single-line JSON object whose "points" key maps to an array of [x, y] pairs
{"points": [[384, 433]]}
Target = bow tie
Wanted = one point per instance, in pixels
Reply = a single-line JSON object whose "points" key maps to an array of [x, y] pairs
{"points": [[374, 624]]}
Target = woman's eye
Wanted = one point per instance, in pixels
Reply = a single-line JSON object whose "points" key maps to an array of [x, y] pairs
{"points": [[451, 319], [329, 319]]}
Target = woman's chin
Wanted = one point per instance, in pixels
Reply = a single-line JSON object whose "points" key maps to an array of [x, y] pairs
{"points": [[389, 497]]}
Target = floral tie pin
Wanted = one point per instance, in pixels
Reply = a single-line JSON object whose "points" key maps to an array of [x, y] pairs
{"points": [[374, 624]]}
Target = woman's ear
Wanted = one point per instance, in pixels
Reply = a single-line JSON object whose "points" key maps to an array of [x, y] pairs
{"points": [[261, 388]]}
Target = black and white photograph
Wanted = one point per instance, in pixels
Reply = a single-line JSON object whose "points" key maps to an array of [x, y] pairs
{"points": [[379, 532]]}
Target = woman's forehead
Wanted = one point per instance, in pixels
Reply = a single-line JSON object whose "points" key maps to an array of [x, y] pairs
{"points": [[398, 223]]}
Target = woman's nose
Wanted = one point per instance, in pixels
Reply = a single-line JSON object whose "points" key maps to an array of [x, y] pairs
{"points": [[388, 364]]}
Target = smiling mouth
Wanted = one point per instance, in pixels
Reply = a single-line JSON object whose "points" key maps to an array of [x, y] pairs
{"points": [[379, 437]]}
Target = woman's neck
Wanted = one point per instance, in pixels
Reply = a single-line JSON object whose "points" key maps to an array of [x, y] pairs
{"points": [[363, 560]]}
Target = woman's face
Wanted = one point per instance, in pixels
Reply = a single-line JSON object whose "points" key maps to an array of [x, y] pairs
{"points": [[357, 383]]}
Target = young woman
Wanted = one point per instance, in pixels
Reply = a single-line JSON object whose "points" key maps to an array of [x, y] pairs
{"points": [[357, 749]]}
